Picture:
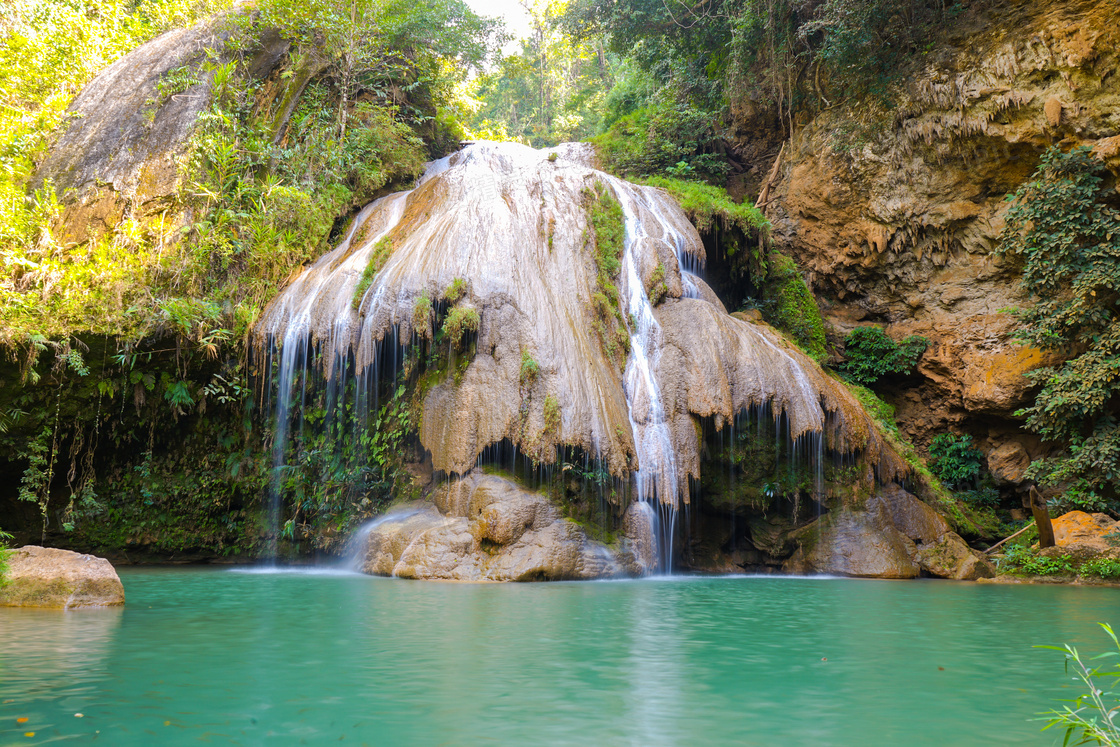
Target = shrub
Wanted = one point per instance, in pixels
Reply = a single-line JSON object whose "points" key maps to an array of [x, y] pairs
{"points": [[455, 291], [1025, 560], [1065, 227], [5, 553], [955, 460], [460, 321], [530, 369], [422, 315], [1102, 567], [1092, 715], [871, 355]]}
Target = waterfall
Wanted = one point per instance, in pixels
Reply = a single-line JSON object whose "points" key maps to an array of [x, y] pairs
{"points": [[655, 480], [511, 226]]}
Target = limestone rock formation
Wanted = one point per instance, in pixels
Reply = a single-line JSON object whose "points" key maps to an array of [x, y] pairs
{"points": [[513, 224], [486, 528], [60, 579], [894, 215]]}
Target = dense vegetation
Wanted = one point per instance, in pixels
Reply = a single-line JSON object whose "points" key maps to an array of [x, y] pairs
{"points": [[1065, 227], [131, 344], [137, 337]]}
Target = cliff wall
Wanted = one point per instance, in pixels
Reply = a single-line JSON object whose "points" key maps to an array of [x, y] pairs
{"points": [[893, 207]]}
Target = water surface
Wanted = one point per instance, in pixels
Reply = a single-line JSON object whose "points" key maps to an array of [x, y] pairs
{"points": [[215, 656]]}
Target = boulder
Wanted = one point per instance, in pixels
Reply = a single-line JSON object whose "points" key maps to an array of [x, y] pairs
{"points": [[484, 528], [60, 579], [848, 542], [951, 557], [914, 518], [1093, 534], [638, 527], [118, 153], [1007, 463]]}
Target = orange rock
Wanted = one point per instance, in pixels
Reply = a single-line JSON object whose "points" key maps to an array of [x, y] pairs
{"points": [[1078, 528]]}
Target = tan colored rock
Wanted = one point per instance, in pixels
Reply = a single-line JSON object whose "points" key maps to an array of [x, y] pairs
{"points": [[1007, 463], [998, 382], [484, 528], [911, 516], [1097, 532], [978, 114], [951, 557], [854, 543], [60, 579], [1053, 111], [638, 526]]}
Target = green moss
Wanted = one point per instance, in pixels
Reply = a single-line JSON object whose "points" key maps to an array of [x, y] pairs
{"points": [[790, 306], [552, 414], [606, 240], [422, 315], [377, 259], [707, 206], [657, 287]]}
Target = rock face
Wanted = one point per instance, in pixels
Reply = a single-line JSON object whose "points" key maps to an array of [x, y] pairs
{"points": [[898, 224], [486, 528], [895, 535], [119, 155], [60, 579]]}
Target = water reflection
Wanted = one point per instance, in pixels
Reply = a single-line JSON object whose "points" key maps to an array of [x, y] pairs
{"points": [[42, 651], [656, 666], [284, 657]]}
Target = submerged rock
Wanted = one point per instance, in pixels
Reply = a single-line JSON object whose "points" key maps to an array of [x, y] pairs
{"points": [[60, 579], [485, 528]]}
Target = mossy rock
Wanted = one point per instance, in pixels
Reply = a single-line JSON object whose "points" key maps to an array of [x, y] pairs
{"points": [[59, 579]]}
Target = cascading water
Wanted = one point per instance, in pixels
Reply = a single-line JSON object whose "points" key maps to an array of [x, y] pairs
{"points": [[655, 480], [510, 227]]}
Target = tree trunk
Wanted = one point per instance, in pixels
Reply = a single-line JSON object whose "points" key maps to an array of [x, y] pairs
{"points": [[1042, 519]]}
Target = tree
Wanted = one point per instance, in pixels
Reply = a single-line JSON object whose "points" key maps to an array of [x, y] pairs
{"points": [[1065, 226]]}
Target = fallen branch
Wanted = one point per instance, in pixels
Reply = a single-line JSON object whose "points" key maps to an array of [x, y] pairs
{"points": [[764, 193], [1028, 526]]}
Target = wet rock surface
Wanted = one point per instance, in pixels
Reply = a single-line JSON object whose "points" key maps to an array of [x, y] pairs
{"points": [[486, 528], [60, 579], [513, 224]]}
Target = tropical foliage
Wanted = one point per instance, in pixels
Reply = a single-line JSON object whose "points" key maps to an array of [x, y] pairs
{"points": [[1064, 225]]}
